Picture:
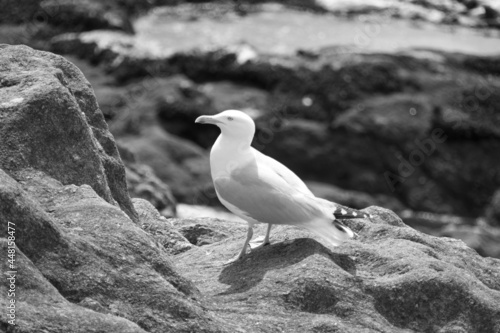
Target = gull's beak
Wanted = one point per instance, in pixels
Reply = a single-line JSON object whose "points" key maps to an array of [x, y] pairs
{"points": [[207, 120]]}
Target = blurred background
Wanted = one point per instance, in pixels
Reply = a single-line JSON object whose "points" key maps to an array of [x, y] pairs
{"points": [[393, 103]]}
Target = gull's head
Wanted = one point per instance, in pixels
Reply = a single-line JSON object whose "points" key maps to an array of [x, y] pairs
{"points": [[232, 123]]}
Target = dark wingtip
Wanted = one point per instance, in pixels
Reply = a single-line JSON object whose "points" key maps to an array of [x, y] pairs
{"points": [[348, 213]]}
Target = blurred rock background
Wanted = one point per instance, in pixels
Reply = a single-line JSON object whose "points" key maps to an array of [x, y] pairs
{"points": [[390, 103]]}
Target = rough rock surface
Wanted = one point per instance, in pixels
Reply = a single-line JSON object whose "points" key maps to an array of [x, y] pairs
{"points": [[50, 121], [43, 307], [391, 278], [96, 257], [162, 230]]}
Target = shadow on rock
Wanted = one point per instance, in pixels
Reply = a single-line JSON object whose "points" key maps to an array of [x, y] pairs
{"points": [[249, 272]]}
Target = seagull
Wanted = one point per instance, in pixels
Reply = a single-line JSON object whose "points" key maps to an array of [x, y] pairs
{"points": [[260, 189]]}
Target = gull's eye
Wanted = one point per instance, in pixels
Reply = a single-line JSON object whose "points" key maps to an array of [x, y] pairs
{"points": [[229, 118]]}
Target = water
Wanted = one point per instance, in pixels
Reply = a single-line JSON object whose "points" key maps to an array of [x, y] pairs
{"points": [[284, 31]]}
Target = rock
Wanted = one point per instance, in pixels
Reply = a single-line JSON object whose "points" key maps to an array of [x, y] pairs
{"points": [[202, 225], [143, 183], [110, 97], [160, 228], [42, 305], [70, 141], [61, 230], [391, 278], [209, 225]]}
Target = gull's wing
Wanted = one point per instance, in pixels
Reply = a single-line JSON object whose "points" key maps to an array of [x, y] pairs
{"points": [[266, 196], [291, 178]]}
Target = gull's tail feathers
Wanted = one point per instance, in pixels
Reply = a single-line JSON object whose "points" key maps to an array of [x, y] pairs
{"points": [[332, 231]]}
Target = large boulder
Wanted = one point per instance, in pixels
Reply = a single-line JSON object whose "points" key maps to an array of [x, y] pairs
{"points": [[50, 121], [390, 278]]}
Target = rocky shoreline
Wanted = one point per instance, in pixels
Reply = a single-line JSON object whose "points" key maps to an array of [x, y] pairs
{"points": [[107, 180]]}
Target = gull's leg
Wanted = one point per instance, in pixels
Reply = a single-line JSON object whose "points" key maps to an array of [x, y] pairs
{"points": [[258, 242], [268, 232], [244, 249]]}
